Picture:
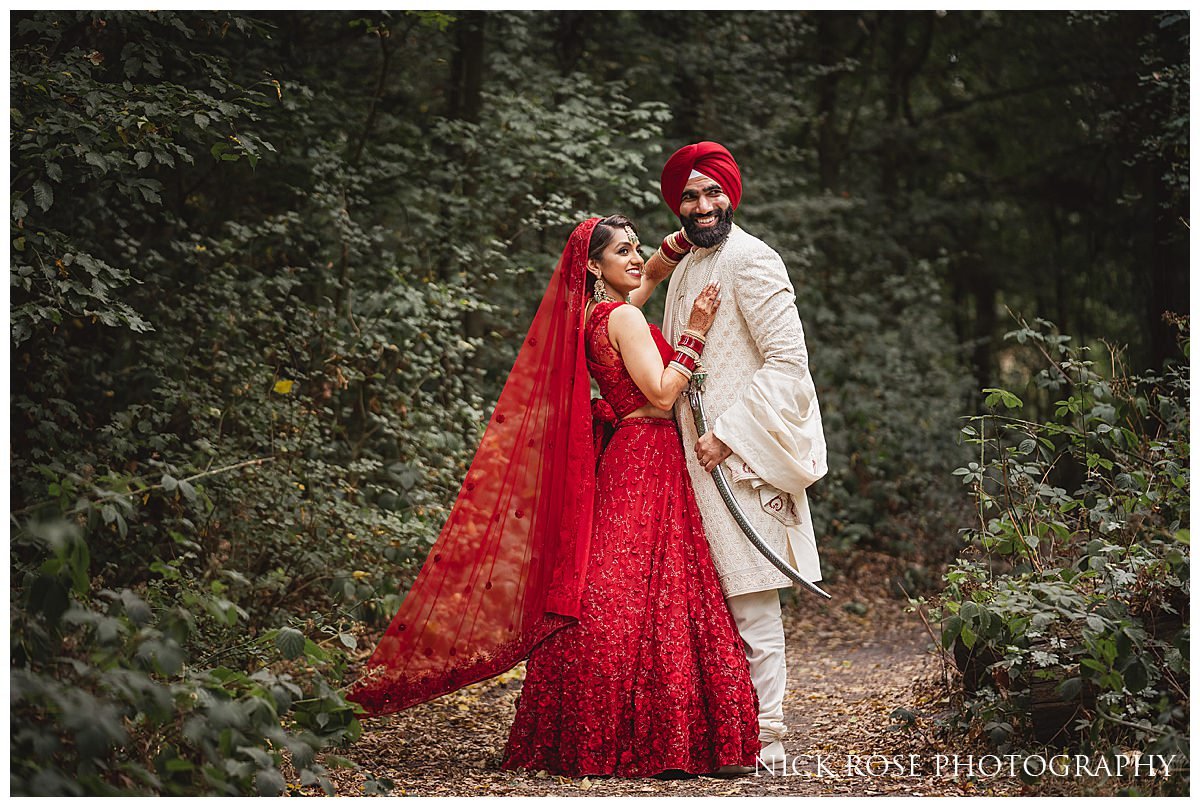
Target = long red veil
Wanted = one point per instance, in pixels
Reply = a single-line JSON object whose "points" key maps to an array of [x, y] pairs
{"points": [[508, 567]]}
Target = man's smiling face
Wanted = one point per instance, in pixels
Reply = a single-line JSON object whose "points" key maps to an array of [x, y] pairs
{"points": [[705, 211]]}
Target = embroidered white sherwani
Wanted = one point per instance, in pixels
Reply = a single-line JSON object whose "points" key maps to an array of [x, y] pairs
{"points": [[761, 402]]}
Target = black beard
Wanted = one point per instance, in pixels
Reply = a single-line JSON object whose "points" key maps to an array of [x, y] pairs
{"points": [[709, 236]]}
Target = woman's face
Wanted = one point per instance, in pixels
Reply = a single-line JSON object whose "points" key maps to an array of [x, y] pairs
{"points": [[620, 264]]}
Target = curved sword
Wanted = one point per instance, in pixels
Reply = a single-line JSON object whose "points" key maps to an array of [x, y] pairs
{"points": [[696, 399]]}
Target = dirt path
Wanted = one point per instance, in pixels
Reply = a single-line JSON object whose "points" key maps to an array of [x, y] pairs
{"points": [[851, 664]]}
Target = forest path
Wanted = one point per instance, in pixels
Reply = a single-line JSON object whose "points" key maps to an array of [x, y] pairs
{"points": [[851, 663]]}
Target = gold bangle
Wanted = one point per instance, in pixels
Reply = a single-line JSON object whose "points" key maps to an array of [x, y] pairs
{"points": [[680, 368]]}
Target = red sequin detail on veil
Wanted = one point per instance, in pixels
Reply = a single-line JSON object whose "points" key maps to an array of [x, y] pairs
{"points": [[508, 567]]}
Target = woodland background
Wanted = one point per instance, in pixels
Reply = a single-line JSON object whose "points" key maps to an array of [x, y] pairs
{"points": [[268, 272]]}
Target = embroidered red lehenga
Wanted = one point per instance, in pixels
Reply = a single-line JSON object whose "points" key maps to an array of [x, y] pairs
{"points": [[599, 573]]}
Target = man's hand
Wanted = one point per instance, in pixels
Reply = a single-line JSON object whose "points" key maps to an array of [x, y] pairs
{"points": [[711, 452]]}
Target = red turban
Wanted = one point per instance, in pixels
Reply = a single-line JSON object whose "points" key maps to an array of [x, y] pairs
{"points": [[709, 158]]}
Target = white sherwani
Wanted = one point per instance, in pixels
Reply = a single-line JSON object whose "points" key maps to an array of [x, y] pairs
{"points": [[761, 402]]}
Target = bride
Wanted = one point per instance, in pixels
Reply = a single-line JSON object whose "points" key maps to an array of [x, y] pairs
{"points": [[575, 542]]}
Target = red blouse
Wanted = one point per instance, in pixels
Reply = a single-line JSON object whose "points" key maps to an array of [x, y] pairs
{"points": [[606, 366]]}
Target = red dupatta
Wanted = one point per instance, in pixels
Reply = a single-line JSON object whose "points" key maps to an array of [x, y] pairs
{"points": [[508, 568]]}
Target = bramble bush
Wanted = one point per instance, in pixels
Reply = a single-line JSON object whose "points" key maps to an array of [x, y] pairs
{"points": [[108, 698], [1073, 595]]}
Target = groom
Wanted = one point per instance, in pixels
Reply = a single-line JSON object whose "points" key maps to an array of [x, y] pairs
{"points": [[765, 423]]}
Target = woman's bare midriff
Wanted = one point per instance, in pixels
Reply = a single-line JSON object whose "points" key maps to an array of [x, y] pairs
{"points": [[649, 411]]}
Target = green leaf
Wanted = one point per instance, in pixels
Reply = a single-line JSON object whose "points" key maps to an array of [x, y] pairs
{"points": [[1137, 677], [950, 630], [43, 197], [269, 782], [164, 655], [150, 195], [314, 651], [302, 753], [1003, 396], [290, 642], [168, 572], [96, 159], [142, 158], [187, 490], [1069, 689], [260, 757]]}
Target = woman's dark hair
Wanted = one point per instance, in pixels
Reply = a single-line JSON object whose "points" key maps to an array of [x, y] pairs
{"points": [[602, 235]]}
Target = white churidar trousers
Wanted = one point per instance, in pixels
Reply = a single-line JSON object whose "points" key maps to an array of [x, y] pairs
{"points": [[760, 624]]}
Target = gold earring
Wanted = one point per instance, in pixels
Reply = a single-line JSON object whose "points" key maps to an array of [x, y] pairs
{"points": [[600, 291]]}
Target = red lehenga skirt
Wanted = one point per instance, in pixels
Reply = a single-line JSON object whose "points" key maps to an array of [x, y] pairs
{"points": [[653, 676]]}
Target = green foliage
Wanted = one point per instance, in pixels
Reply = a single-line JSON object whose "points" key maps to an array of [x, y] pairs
{"points": [[268, 273], [1080, 571], [108, 122], [107, 697]]}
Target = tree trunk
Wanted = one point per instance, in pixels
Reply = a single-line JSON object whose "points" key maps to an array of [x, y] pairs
{"points": [[828, 142], [1167, 289], [572, 31], [466, 68]]}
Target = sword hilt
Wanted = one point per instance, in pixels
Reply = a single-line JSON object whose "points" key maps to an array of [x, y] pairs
{"points": [[695, 389]]}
